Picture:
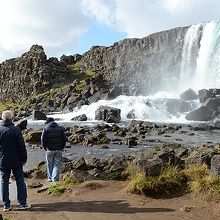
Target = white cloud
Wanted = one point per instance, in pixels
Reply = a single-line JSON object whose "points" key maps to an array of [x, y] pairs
{"points": [[55, 24], [141, 17]]}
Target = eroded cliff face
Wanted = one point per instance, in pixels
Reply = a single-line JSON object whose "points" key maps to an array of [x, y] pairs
{"points": [[138, 66], [141, 66], [31, 74]]}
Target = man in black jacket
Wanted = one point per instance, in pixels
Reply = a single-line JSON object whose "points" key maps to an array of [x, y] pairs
{"points": [[53, 140], [13, 155]]}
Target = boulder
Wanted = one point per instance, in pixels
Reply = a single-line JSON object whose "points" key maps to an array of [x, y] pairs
{"points": [[33, 137], [22, 124], [109, 114], [177, 106], [215, 165], [82, 117], [204, 94], [209, 110], [150, 167], [38, 115], [189, 95]]}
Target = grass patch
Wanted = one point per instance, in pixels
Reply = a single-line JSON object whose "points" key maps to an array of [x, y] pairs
{"points": [[9, 106], [207, 186], [131, 170], [196, 172], [170, 181], [90, 74], [116, 175], [6, 218], [56, 189], [69, 180], [75, 67], [80, 86], [201, 181]]}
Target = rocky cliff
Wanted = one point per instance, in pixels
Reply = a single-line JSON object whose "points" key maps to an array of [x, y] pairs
{"points": [[31, 74], [142, 65], [136, 66]]}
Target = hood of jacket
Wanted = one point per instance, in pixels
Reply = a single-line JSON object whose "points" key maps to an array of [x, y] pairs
{"points": [[52, 124]]}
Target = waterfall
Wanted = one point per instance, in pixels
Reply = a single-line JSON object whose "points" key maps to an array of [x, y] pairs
{"points": [[207, 74], [200, 67], [189, 55]]}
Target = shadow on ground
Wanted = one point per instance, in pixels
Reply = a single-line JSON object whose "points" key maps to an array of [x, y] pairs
{"points": [[117, 206]]}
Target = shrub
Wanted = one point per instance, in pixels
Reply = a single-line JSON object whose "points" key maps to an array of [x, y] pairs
{"points": [[170, 181], [56, 190], [116, 175], [208, 185], [131, 170], [197, 171]]}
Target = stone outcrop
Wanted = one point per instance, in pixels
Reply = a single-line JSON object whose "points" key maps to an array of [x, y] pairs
{"points": [[31, 74]]}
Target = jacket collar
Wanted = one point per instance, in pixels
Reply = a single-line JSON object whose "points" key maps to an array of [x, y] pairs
{"points": [[6, 123]]}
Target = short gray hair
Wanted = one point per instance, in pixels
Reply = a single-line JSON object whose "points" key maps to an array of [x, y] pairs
{"points": [[7, 115]]}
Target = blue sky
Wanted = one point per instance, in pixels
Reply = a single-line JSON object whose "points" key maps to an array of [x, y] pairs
{"points": [[73, 26], [98, 35]]}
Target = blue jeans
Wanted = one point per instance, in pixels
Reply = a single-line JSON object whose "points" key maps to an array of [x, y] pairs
{"points": [[53, 159], [21, 186]]}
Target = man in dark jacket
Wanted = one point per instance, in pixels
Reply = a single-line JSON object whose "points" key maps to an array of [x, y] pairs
{"points": [[13, 155], [53, 140]]}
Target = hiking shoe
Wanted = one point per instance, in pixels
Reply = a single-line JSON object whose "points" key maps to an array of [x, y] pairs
{"points": [[6, 209], [24, 207]]}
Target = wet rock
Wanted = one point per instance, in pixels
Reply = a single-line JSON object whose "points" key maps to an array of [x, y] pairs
{"points": [[22, 124], [189, 95], [131, 115], [38, 115], [33, 137], [177, 106], [204, 94], [106, 113], [82, 117], [131, 142]]}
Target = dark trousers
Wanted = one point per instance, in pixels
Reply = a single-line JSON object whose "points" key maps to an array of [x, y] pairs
{"points": [[21, 186]]}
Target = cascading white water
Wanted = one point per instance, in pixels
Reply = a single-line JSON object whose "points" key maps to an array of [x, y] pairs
{"points": [[189, 55], [207, 74], [200, 68], [155, 110]]}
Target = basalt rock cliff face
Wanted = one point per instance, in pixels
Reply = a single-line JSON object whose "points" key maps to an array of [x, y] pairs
{"points": [[131, 67], [31, 74], [140, 66]]}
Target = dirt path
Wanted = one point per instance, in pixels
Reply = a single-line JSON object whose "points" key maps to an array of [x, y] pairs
{"points": [[106, 200]]}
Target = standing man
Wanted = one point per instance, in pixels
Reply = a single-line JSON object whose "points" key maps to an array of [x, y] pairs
{"points": [[13, 155], [53, 140]]}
